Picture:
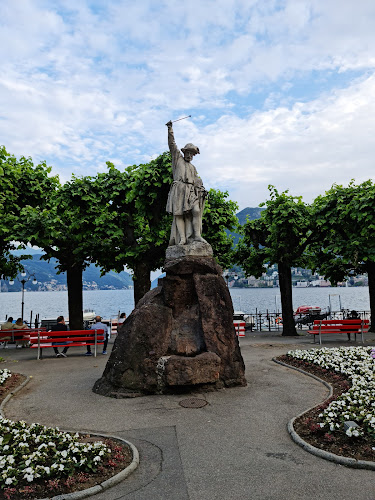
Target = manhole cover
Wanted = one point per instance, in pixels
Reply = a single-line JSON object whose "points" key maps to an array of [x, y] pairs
{"points": [[193, 403]]}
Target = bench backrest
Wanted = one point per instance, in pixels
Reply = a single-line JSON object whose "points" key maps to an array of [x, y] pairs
{"points": [[20, 332], [68, 335], [342, 324], [24, 330]]}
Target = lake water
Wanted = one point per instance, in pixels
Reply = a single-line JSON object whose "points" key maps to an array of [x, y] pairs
{"points": [[108, 303]]}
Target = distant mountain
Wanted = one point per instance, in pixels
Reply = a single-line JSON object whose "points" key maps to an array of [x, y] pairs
{"points": [[245, 214], [249, 214], [48, 279], [28, 251]]}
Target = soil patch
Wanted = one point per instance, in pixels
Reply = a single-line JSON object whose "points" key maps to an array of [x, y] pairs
{"points": [[119, 459], [10, 384], [307, 426]]}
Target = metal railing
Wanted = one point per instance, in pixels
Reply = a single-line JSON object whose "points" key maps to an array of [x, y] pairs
{"points": [[272, 321]]}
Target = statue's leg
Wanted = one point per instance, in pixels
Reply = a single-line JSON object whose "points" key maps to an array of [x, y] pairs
{"points": [[180, 223], [189, 231], [197, 223], [173, 236]]}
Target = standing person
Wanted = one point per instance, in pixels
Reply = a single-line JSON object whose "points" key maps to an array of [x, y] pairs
{"points": [[60, 327], [21, 341], [186, 196], [98, 325]]}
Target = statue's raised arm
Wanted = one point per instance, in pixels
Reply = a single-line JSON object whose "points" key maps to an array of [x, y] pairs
{"points": [[186, 196], [175, 152]]}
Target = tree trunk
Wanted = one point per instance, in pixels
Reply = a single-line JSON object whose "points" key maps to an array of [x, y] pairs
{"points": [[285, 280], [142, 282], [371, 289], [75, 300]]}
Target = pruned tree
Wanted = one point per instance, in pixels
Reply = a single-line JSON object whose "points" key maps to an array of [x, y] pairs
{"points": [[279, 237], [135, 225], [344, 240], [67, 229], [21, 184]]}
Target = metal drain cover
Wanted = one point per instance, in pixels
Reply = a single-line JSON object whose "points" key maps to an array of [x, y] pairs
{"points": [[193, 403]]}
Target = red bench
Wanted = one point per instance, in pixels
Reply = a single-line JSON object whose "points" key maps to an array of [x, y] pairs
{"points": [[20, 334], [334, 326], [70, 338]]}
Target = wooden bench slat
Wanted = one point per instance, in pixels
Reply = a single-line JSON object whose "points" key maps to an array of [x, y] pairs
{"points": [[65, 339], [334, 326]]}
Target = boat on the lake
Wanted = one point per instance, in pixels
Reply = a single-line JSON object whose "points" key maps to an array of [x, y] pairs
{"points": [[308, 310]]}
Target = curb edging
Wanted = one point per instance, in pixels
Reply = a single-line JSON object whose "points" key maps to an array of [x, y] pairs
{"points": [[11, 394], [108, 483], [326, 455]]}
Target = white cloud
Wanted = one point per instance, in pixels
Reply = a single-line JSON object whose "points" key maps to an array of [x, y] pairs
{"points": [[83, 82], [306, 148]]}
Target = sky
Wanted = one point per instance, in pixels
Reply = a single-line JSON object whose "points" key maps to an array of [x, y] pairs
{"points": [[279, 92]]}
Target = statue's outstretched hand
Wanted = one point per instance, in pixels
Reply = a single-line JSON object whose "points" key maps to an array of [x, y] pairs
{"points": [[169, 124]]}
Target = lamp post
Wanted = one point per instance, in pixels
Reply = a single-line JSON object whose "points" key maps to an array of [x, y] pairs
{"points": [[25, 277]]}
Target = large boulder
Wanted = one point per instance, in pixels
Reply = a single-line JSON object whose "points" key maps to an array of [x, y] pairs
{"points": [[181, 334]]}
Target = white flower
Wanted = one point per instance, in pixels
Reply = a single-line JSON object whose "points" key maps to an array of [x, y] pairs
{"points": [[358, 402]]}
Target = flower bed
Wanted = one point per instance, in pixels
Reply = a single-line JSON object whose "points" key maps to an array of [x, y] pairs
{"points": [[327, 366], [358, 403], [36, 461], [30, 452], [4, 375]]}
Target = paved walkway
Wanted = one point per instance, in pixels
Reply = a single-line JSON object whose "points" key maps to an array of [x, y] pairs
{"points": [[237, 447]]}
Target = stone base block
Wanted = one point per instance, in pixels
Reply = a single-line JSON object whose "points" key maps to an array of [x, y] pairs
{"points": [[201, 369], [195, 248]]}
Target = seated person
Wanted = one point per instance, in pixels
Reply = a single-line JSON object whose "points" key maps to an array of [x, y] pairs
{"points": [[21, 341], [60, 327], [98, 325], [352, 315], [8, 325], [122, 318]]}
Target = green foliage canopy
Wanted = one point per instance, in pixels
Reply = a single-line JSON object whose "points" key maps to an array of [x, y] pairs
{"points": [[219, 215], [344, 230], [22, 184], [280, 235]]}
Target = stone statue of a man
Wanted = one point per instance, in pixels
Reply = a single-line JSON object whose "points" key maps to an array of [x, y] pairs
{"points": [[186, 196]]}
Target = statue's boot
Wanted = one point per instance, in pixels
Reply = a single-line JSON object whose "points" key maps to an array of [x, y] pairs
{"points": [[200, 239]]}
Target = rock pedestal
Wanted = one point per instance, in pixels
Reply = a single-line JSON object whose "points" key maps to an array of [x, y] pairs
{"points": [[181, 334]]}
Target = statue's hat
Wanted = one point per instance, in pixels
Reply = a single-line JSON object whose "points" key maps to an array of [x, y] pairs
{"points": [[190, 147]]}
